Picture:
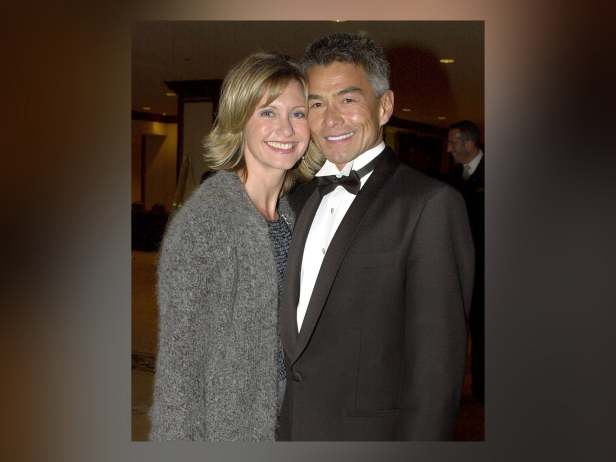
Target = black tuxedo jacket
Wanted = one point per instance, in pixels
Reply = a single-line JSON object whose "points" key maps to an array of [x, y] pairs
{"points": [[381, 353], [473, 191]]}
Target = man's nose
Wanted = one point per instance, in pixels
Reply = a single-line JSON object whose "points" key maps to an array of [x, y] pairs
{"points": [[333, 117]]}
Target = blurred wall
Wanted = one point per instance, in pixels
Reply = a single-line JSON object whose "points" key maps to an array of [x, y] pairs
{"points": [[160, 162]]}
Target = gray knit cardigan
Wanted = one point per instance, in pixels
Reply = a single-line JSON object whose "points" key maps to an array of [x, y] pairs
{"points": [[217, 363]]}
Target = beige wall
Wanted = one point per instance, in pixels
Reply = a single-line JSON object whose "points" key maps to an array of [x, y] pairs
{"points": [[161, 161], [197, 124]]}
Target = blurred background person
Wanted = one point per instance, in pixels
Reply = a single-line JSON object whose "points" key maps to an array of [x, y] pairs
{"points": [[463, 142]]}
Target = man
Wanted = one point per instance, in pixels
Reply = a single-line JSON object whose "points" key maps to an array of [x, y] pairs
{"points": [[463, 144], [376, 285]]}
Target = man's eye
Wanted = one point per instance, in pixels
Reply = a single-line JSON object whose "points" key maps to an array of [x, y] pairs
{"points": [[315, 105]]}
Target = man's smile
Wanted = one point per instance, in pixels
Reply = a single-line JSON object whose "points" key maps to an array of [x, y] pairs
{"points": [[341, 137]]}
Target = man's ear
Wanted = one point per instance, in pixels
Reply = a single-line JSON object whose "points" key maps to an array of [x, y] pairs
{"points": [[387, 106]]}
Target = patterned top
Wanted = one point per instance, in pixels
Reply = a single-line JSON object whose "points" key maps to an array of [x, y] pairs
{"points": [[281, 238]]}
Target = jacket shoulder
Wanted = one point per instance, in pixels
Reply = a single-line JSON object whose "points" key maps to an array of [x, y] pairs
{"points": [[412, 181]]}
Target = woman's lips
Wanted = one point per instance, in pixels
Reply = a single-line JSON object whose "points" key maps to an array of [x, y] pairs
{"points": [[282, 147]]}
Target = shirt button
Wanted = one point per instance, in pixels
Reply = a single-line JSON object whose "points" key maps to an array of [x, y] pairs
{"points": [[332, 210], [323, 251], [297, 376]]}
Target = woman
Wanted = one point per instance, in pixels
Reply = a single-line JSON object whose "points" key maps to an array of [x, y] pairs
{"points": [[219, 360]]}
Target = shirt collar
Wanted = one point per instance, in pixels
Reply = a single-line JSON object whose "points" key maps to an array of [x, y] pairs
{"points": [[330, 168], [472, 165]]}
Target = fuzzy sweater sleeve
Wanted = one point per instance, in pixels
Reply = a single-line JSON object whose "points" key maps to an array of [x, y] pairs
{"points": [[185, 265], [216, 369]]}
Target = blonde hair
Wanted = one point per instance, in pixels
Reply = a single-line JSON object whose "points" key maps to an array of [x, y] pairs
{"points": [[242, 90]]}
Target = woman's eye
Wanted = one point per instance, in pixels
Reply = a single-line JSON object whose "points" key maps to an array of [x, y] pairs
{"points": [[299, 114], [267, 113]]}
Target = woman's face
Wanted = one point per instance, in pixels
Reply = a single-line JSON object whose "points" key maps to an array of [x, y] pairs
{"points": [[276, 136]]}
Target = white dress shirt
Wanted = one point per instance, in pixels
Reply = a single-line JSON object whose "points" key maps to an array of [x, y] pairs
{"points": [[470, 168], [330, 213]]}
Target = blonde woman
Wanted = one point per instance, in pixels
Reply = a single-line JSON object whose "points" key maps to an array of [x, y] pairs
{"points": [[220, 365]]}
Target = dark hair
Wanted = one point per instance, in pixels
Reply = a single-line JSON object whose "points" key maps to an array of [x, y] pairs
{"points": [[354, 49], [468, 131]]}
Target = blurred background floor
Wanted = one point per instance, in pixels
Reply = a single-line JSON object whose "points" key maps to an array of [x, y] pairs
{"points": [[143, 340], [470, 425]]}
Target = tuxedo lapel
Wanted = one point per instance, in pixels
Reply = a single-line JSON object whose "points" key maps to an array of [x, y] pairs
{"points": [[479, 173], [336, 250], [290, 288]]}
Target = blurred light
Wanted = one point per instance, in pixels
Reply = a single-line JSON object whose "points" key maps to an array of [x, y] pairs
{"points": [[441, 118], [171, 94], [338, 20], [447, 61], [147, 108], [406, 110]]}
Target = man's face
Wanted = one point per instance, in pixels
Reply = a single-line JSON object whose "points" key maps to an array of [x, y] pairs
{"points": [[343, 115], [459, 149]]}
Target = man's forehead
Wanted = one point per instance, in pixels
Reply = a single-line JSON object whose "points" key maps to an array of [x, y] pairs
{"points": [[342, 67], [357, 66], [338, 75], [454, 133]]}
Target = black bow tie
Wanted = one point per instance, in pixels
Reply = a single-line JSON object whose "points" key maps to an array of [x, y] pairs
{"points": [[328, 183], [351, 183]]}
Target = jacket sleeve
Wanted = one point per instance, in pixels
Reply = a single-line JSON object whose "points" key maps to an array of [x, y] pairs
{"points": [[178, 410], [438, 292]]}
